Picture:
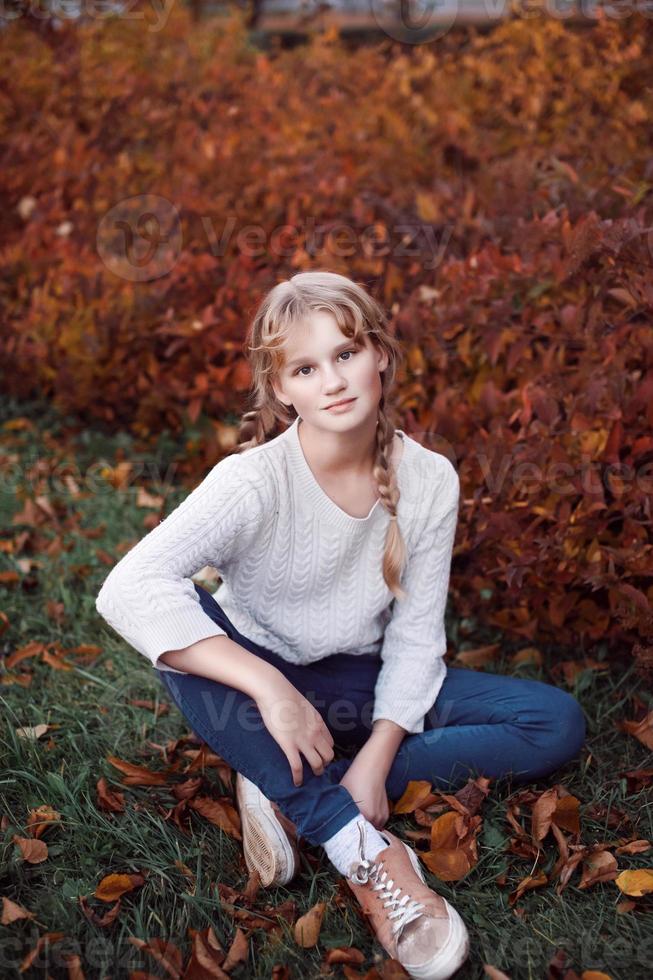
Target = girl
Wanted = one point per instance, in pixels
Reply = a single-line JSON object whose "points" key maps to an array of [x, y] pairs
{"points": [[312, 671]]}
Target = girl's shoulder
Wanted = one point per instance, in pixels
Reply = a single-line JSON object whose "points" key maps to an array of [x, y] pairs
{"points": [[429, 481], [429, 464]]}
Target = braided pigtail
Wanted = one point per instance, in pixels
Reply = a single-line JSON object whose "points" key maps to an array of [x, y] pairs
{"points": [[394, 555]]}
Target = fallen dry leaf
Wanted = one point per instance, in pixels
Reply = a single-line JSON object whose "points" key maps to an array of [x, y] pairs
{"points": [[220, 812], [626, 906], [48, 938], [161, 708], [307, 927], [238, 951], [113, 886], [34, 732], [526, 884], [453, 850], [542, 814], [57, 663], [635, 882], [163, 951], [206, 957], [642, 730], [33, 851], [344, 954], [40, 818], [416, 792], [598, 866], [102, 921], [108, 799], [12, 912], [137, 775], [633, 847], [31, 649]]}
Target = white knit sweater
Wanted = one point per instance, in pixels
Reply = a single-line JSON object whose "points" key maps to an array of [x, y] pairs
{"points": [[300, 576]]}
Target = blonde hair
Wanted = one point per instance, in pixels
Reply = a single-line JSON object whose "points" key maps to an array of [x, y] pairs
{"points": [[288, 304]]}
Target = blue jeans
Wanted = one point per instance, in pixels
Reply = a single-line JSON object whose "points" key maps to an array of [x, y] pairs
{"points": [[481, 724]]}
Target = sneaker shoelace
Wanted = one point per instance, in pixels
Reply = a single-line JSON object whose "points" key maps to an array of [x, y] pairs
{"points": [[404, 909]]}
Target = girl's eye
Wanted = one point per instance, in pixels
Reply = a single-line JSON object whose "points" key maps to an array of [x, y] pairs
{"points": [[306, 365]]}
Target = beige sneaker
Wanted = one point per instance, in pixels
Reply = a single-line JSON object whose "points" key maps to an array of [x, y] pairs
{"points": [[269, 837], [414, 924]]}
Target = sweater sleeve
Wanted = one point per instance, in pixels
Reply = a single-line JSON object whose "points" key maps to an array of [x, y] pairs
{"points": [[414, 642], [148, 597]]}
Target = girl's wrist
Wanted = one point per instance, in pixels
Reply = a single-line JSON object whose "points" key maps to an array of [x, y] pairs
{"points": [[379, 753]]}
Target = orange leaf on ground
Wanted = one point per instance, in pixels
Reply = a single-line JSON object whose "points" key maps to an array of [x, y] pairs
{"points": [[635, 882], [567, 814], [238, 951], [642, 730], [137, 775], [41, 818], [103, 921], [33, 851], [447, 863], [163, 951], [206, 955], [542, 814], [344, 954], [414, 795], [598, 866], [453, 848], [34, 732], [114, 885], [12, 912], [110, 800], [528, 883], [307, 928], [221, 813], [633, 847], [48, 938]]}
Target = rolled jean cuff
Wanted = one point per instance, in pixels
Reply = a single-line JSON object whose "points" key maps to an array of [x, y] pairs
{"points": [[335, 822]]}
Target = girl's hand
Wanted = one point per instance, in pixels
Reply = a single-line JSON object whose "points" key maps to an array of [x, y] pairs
{"points": [[296, 726], [367, 787]]}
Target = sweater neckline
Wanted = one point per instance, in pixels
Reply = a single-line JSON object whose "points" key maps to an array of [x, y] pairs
{"points": [[324, 506]]}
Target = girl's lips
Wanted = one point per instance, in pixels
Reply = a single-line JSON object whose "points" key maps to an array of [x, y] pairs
{"points": [[346, 401]]}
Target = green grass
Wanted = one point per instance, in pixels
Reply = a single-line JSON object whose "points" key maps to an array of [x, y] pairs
{"points": [[90, 707]]}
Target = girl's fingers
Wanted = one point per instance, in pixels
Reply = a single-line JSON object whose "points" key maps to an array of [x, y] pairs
{"points": [[295, 766], [314, 760], [322, 729], [325, 750]]}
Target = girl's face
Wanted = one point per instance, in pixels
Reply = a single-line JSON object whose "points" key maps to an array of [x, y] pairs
{"points": [[322, 366]]}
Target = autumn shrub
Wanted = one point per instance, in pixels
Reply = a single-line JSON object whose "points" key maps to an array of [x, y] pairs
{"points": [[494, 190]]}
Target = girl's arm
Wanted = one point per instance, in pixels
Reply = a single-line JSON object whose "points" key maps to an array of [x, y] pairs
{"points": [[383, 744], [222, 659], [365, 778]]}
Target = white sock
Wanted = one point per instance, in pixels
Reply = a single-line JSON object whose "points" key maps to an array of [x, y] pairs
{"points": [[343, 849]]}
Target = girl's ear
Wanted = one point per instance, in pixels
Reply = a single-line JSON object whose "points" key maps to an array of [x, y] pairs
{"points": [[382, 358], [280, 395]]}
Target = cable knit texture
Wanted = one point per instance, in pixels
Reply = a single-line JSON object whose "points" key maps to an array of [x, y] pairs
{"points": [[300, 576]]}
